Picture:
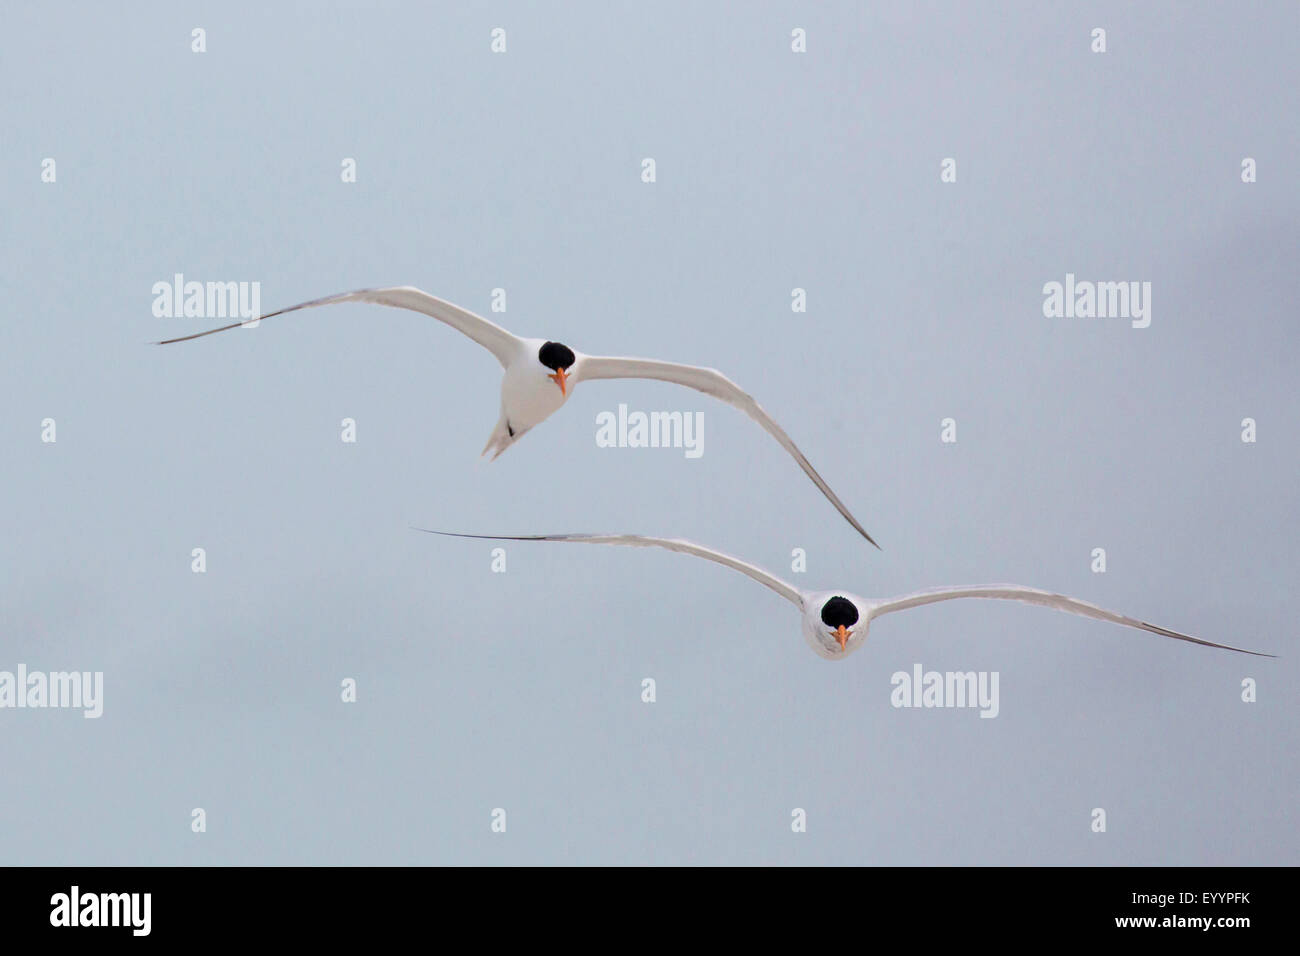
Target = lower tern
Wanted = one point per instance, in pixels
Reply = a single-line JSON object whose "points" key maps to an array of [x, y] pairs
{"points": [[835, 623]]}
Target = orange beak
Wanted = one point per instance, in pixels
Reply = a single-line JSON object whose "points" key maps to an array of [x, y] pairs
{"points": [[559, 378], [842, 636]]}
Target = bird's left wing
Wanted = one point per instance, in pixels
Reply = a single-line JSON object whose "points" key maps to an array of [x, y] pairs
{"points": [[711, 382], [1016, 592], [766, 578]]}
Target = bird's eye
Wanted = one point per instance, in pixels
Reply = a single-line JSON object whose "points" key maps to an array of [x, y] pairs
{"points": [[839, 611], [555, 356]]}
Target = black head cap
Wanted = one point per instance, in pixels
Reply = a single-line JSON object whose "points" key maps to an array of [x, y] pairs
{"points": [[556, 356], [839, 611]]}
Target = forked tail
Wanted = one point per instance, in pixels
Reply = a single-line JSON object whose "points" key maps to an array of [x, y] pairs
{"points": [[502, 437]]}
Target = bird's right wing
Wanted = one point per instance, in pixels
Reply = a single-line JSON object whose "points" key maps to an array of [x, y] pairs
{"points": [[492, 337], [1060, 602], [783, 588]]}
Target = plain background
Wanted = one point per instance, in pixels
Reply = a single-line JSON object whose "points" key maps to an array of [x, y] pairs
{"points": [[522, 690]]}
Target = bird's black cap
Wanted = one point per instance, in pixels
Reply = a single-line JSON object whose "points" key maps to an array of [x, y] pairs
{"points": [[839, 610], [556, 356]]}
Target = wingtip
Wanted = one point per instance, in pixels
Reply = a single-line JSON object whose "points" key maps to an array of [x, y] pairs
{"points": [[1239, 650], [450, 534], [860, 530]]}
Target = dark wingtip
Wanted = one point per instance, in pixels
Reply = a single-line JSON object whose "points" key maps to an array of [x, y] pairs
{"points": [[460, 534], [1238, 650]]}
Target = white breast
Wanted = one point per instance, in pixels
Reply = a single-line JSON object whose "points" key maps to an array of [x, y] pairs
{"points": [[528, 395]]}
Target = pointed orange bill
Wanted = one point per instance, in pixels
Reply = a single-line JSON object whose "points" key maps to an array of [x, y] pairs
{"points": [[842, 636], [559, 378]]}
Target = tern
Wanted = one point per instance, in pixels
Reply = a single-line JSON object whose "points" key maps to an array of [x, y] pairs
{"points": [[540, 374], [835, 623]]}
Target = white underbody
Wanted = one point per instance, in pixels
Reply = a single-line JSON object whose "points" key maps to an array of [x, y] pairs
{"points": [[529, 396]]}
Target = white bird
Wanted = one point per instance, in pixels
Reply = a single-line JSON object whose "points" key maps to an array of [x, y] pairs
{"points": [[835, 623], [539, 374]]}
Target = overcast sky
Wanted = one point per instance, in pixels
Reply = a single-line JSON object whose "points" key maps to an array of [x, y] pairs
{"points": [[522, 690]]}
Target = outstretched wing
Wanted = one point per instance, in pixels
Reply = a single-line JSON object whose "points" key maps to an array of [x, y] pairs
{"points": [[786, 590], [711, 382], [1016, 592], [492, 337]]}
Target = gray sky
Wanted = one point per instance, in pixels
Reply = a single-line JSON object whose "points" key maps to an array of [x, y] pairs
{"points": [[522, 690]]}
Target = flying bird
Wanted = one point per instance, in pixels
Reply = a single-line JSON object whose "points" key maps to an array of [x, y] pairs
{"points": [[835, 623], [540, 375]]}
